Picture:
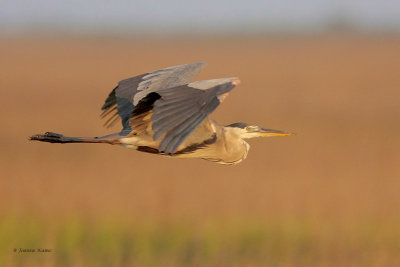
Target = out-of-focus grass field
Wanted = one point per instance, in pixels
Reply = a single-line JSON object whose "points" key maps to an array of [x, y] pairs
{"points": [[327, 197]]}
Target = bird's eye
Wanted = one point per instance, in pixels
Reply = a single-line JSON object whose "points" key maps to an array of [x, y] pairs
{"points": [[251, 128]]}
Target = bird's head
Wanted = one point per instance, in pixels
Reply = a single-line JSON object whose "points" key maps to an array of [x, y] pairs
{"points": [[246, 131]]}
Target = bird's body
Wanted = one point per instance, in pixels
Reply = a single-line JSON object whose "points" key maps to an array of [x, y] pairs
{"points": [[224, 145], [163, 112]]}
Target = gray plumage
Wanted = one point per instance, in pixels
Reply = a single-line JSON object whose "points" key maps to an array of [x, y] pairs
{"points": [[123, 99], [163, 112]]}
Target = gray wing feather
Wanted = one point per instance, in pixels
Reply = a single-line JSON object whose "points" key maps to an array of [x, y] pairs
{"points": [[172, 142], [130, 91], [181, 109]]}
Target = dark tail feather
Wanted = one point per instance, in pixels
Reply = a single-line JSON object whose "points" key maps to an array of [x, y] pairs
{"points": [[59, 138]]}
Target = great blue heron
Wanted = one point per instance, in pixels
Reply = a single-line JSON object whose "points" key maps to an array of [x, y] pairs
{"points": [[163, 112]]}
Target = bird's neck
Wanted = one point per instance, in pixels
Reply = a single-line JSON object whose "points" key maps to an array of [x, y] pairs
{"points": [[234, 144]]}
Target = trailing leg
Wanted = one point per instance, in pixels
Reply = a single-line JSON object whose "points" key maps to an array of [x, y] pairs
{"points": [[59, 138]]}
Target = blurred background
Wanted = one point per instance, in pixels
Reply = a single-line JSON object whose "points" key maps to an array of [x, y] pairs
{"points": [[327, 70]]}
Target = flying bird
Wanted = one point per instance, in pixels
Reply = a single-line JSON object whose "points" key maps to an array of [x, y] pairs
{"points": [[164, 112]]}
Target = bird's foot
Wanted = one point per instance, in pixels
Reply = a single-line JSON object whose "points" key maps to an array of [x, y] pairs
{"points": [[48, 137]]}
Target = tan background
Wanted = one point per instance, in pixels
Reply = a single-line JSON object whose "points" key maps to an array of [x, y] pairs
{"points": [[341, 172]]}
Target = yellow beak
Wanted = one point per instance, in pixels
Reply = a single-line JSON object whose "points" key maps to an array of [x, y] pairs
{"points": [[271, 132]]}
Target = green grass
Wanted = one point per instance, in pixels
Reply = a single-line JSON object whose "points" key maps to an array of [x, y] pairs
{"points": [[77, 242]]}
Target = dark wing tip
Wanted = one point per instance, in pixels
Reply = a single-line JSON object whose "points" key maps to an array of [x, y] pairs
{"points": [[110, 100]]}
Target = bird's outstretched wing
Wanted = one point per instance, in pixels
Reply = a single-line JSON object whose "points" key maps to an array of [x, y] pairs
{"points": [[174, 113], [122, 100]]}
